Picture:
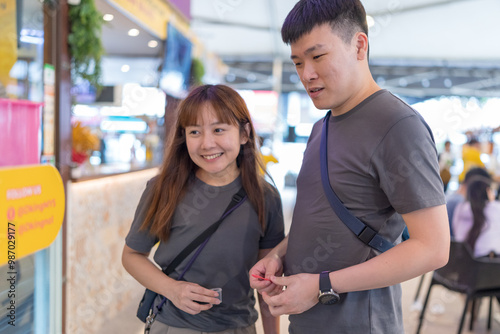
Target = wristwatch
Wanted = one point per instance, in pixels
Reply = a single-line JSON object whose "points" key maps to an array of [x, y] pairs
{"points": [[326, 294]]}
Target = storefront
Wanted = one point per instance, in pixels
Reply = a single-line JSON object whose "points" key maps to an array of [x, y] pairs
{"points": [[105, 143], [30, 284]]}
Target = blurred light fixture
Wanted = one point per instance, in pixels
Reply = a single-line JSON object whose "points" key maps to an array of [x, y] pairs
{"points": [[370, 21], [133, 32], [425, 83], [108, 17], [125, 68], [152, 43], [448, 83]]}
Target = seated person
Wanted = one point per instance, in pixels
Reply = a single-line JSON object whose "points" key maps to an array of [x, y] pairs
{"points": [[477, 221], [457, 197]]}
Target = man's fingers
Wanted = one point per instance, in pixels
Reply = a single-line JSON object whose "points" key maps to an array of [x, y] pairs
{"points": [[282, 281]]}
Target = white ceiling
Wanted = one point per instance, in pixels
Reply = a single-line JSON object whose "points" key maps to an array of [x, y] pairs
{"points": [[429, 29], [424, 39]]}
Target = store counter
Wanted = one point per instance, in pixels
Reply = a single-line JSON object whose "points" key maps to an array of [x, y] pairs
{"points": [[100, 211]]}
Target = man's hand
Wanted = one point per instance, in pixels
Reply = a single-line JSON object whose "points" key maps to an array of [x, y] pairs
{"points": [[300, 294]]}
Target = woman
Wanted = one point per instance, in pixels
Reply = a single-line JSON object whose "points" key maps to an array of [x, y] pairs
{"points": [[212, 154], [477, 221]]}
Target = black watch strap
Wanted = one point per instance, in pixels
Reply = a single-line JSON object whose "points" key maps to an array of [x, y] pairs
{"points": [[324, 281]]}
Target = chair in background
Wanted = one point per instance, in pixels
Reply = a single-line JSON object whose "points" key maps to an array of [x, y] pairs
{"points": [[474, 277]]}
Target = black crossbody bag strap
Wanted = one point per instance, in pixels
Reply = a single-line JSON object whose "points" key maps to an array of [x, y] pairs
{"points": [[202, 240], [364, 232], [236, 201]]}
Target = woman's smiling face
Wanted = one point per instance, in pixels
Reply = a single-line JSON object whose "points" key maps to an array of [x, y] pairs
{"points": [[214, 146]]}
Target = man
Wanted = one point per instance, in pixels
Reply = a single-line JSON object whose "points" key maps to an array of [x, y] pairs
{"points": [[382, 164]]}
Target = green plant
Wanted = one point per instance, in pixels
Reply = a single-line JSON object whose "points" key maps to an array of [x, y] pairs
{"points": [[197, 72], [84, 42]]}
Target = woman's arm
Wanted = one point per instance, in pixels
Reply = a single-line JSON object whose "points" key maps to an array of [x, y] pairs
{"points": [[182, 294], [270, 323]]}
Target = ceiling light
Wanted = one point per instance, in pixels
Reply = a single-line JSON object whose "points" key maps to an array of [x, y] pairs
{"points": [[370, 21], [133, 32], [152, 43], [108, 17], [125, 68]]}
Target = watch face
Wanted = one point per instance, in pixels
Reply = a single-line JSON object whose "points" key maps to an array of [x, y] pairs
{"points": [[328, 298]]}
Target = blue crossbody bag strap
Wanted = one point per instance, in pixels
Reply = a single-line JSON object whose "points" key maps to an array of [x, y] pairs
{"points": [[364, 232]]}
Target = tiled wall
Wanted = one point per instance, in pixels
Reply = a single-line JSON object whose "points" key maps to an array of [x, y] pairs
{"points": [[99, 216]]}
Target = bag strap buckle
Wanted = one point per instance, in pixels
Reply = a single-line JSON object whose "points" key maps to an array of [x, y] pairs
{"points": [[149, 321]]}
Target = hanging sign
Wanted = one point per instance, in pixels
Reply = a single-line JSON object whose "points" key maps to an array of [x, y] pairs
{"points": [[31, 210], [8, 38]]}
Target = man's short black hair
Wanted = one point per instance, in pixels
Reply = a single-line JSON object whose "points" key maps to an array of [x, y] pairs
{"points": [[346, 17]]}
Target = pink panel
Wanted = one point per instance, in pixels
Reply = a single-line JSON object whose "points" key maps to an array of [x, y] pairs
{"points": [[19, 132]]}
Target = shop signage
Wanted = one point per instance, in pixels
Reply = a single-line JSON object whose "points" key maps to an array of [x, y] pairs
{"points": [[8, 39], [31, 210]]}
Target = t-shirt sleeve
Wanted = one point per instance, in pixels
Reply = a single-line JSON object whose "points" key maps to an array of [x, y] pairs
{"points": [[406, 166], [275, 227], [141, 240]]}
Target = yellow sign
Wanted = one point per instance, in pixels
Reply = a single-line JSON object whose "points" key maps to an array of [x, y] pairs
{"points": [[8, 38], [31, 210]]}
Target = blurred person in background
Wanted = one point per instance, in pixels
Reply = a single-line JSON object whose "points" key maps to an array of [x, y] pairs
{"points": [[471, 156], [459, 196], [476, 221], [446, 160]]}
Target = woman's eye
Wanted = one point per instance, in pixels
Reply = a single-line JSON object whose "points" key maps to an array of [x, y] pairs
{"points": [[194, 132], [218, 130]]}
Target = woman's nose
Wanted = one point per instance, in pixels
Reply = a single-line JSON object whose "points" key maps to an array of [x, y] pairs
{"points": [[208, 141]]}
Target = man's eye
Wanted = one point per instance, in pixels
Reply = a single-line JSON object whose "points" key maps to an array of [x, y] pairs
{"points": [[297, 64], [316, 57]]}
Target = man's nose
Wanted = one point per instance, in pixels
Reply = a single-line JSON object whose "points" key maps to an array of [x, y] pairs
{"points": [[309, 72]]}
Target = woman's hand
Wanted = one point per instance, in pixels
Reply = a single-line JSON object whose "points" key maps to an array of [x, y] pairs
{"points": [[268, 266], [191, 297]]}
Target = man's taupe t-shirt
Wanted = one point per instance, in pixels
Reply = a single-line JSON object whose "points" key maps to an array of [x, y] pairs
{"points": [[382, 163]]}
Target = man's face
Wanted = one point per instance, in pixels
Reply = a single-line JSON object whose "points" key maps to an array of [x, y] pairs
{"points": [[328, 68]]}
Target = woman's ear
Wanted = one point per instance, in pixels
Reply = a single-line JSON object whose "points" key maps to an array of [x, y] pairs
{"points": [[245, 134]]}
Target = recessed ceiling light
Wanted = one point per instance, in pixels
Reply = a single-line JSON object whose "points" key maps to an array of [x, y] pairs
{"points": [[152, 43], [108, 17], [133, 32], [125, 68]]}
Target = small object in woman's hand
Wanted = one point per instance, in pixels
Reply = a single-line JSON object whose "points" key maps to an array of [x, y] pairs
{"points": [[261, 278]]}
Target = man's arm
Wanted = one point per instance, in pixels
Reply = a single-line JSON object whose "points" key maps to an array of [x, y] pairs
{"points": [[426, 250]]}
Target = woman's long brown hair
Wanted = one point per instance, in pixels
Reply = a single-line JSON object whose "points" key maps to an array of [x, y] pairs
{"points": [[477, 195], [178, 169]]}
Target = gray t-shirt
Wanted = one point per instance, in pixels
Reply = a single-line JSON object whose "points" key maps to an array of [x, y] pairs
{"points": [[382, 163], [226, 259]]}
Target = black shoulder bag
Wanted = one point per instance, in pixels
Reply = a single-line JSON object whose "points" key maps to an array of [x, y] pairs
{"points": [[145, 311]]}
